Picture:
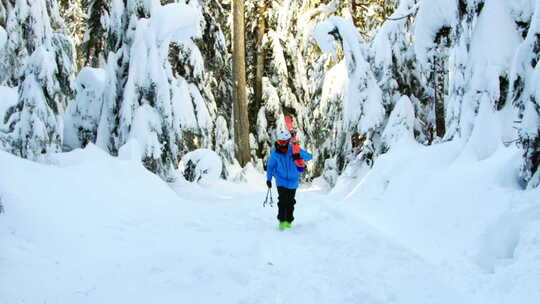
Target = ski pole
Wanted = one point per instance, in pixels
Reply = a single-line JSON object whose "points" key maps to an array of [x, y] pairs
{"points": [[266, 201]]}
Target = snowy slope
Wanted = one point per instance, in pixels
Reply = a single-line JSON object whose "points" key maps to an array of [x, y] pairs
{"points": [[468, 216], [429, 225]]}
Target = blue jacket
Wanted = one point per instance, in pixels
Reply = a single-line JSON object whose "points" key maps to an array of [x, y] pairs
{"points": [[283, 168]]}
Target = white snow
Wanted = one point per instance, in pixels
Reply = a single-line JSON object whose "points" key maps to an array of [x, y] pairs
{"points": [[201, 110], [431, 17], [85, 111], [486, 135], [91, 77], [469, 218], [334, 88], [442, 224], [146, 118], [3, 37], [9, 98], [131, 151], [362, 107], [426, 225], [182, 105], [492, 57], [156, 107], [400, 124], [521, 9], [175, 22]]}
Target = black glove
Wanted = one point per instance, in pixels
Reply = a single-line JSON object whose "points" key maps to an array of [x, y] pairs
{"points": [[269, 184]]}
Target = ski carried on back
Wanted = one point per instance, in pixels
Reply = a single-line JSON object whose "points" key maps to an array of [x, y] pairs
{"points": [[300, 164]]}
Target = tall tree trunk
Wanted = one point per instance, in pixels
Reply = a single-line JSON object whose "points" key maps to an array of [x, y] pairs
{"points": [[261, 55], [260, 62], [440, 123], [240, 109]]}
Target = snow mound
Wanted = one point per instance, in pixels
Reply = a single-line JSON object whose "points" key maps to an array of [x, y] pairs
{"points": [[450, 189], [90, 154], [87, 223], [458, 210], [201, 165]]}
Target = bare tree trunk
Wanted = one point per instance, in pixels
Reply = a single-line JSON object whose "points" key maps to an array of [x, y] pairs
{"points": [[260, 62], [440, 124], [261, 56], [240, 109]]}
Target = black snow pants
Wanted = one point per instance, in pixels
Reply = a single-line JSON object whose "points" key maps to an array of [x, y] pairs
{"points": [[286, 203]]}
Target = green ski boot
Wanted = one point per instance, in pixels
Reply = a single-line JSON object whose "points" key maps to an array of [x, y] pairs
{"points": [[288, 224], [282, 226]]}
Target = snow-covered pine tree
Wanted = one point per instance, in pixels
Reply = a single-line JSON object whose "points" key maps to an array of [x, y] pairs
{"points": [[434, 33], [325, 93], [205, 64], [400, 124], [525, 95], [216, 83], [293, 75], [93, 115], [214, 48], [150, 112], [75, 19], [489, 65], [458, 64], [158, 85], [363, 112], [83, 114], [29, 24], [369, 15], [95, 43], [278, 76], [35, 124], [392, 57], [38, 58]]}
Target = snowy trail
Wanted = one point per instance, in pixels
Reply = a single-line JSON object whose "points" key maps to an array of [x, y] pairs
{"points": [[96, 229], [327, 257], [117, 245]]}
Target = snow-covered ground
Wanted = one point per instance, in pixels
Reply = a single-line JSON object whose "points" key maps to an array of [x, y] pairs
{"points": [[426, 225]]}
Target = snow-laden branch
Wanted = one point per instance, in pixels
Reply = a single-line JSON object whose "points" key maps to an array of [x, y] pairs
{"points": [[363, 109]]}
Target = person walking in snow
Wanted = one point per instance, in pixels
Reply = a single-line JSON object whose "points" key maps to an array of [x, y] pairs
{"points": [[281, 165]]}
